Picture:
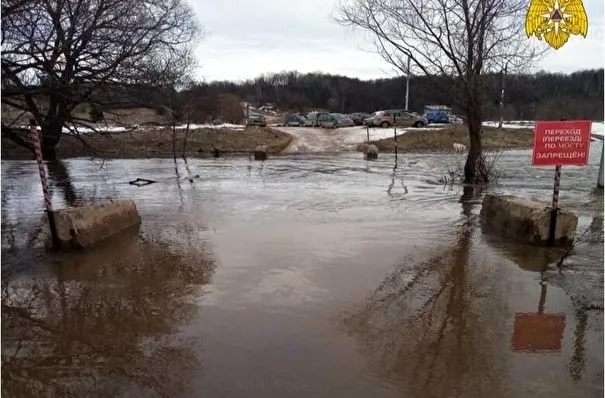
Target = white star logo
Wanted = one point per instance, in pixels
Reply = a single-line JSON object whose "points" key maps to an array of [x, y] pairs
{"points": [[557, 23]]}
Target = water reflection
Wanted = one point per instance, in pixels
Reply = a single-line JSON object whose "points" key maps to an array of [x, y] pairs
{"points": [[59, 177], [530, 258], [423, 326], [395, 176], [103, 323], [538, 332]]}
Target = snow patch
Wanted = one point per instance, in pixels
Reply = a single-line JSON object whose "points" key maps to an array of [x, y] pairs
{"points": [[212, 126], [459, 147], [598, 128]]}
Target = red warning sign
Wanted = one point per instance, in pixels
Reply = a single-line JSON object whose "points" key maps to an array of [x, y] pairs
{"points": [[561, 143]]}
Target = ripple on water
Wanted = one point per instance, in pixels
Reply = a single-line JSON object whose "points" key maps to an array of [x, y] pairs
{"points": [[320, 273]]}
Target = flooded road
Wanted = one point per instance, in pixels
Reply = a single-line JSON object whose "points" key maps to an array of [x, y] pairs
{"points": [[306, 275]]}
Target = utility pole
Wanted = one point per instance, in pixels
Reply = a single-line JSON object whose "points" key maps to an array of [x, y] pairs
{"points": [[407, 86], [502, 97]]}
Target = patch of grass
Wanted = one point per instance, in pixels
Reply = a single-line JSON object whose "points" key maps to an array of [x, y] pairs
{"points": [[149, 143], [443, 139]]}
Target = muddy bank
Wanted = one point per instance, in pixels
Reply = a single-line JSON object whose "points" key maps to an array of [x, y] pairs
{"points": [[443, 139], [158, 143]]}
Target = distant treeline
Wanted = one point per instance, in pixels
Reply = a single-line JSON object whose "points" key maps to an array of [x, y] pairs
{"points": [[542, 95], [530, 96]]}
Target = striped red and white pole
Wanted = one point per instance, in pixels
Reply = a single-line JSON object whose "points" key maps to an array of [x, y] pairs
{"points": [[35, 140]]}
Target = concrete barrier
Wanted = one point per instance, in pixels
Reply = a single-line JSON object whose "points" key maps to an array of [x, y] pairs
{"points": [[260, 153], [528, 219], [80, 227], [372, 152]]}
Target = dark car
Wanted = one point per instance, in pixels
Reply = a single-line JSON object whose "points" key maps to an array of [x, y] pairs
{"points": [[295, 120], [359, 117]]}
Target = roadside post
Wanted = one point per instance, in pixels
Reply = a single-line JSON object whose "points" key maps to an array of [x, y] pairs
{"points": [[395, 135], [35, 140], [600, 179], [554, 206], [368, 133], [558, 143]]}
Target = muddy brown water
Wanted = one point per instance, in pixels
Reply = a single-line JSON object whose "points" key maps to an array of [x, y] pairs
{"points": [[302, 276]]}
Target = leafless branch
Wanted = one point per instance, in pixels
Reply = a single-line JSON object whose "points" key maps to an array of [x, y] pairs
{"points": [[458, 39], [59, 54]]}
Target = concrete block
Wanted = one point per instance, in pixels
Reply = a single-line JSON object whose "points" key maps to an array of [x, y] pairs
{"points": [[372, 152], [528, 219], [80, 227], [260, 153]]}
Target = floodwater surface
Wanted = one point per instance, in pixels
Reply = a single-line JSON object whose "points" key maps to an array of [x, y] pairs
{"points": [[301, 276]]}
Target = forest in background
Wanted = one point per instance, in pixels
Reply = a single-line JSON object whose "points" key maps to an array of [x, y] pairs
{"points": [[578, 95], [546, 96]]}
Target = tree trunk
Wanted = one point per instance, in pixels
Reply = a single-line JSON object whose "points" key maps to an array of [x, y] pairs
{"points": [[475, 150], [184, 151], [51, 134]]}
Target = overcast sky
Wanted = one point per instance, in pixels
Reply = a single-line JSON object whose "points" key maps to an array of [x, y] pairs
{"points": [[245, 38]]}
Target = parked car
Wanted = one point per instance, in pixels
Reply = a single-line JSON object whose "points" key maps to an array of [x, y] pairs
{"points": [[359, 118], [327, 120], [295, 121], [334, 120], [437, 117], [398, 117], [257, 120], [313, 118], [343, 120]]}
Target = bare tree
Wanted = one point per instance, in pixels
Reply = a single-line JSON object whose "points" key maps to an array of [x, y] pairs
{"points": [[460, 39], [58, 54]]}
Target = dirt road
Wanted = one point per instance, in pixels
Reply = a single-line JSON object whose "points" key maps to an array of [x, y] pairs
{"points": [[314, 140]]}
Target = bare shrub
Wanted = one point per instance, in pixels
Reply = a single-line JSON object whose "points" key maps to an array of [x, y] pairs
{"points": [[488, 171], [591, 234]]}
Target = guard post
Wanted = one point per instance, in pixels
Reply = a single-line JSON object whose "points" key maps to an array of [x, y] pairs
{"points": [[395, 134], [35, 140]]}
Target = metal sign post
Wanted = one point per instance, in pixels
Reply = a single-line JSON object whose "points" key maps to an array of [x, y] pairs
{"points": [[555, 207], [35, 140]]}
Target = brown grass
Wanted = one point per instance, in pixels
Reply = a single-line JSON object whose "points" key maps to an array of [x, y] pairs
{"points": [[121, 116], [158, 143], [444, 139]]}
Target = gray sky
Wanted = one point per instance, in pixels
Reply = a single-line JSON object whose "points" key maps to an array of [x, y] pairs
{"points": [[245, 38]]}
